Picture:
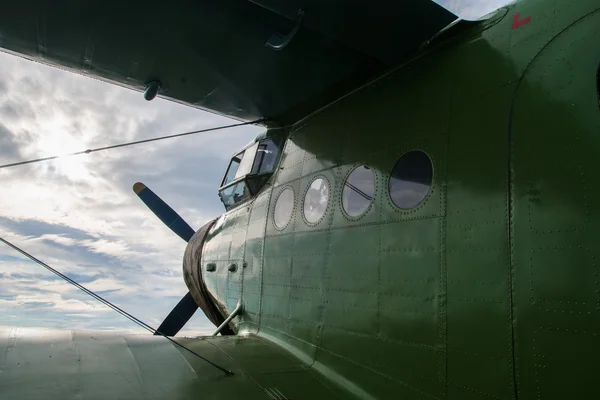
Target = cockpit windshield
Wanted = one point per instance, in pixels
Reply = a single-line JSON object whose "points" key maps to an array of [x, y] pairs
{"points": [[248, 171]]}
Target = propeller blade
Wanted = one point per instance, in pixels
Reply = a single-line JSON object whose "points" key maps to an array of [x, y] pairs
{"points": [[179, 316], [165, 213]]}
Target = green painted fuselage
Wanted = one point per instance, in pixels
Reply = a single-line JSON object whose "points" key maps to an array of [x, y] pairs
{"points": [[489, 287]]}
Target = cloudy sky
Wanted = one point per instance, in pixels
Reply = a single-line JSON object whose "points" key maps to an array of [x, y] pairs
{"points": [[80, 214]]}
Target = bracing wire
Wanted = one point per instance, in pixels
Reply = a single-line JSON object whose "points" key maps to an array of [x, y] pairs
{"points": [[111, 305], [114, 146]]}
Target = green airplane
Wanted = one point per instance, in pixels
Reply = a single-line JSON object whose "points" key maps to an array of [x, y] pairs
{"points": [[419, 220]]}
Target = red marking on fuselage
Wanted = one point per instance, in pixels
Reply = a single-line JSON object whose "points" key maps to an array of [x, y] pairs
{"points": [[518, 22]]}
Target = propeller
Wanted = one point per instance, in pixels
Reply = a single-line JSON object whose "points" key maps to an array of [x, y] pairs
{"points": [[186, 307], [179, 316], [165, 213]]}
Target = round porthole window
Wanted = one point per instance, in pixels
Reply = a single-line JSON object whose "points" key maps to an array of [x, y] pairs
{"points": [[316, 199], [411, 179], [358, 191], [284, 208]]}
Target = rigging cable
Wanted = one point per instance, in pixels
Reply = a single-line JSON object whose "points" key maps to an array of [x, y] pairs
{"points": [[111, 305], [114, 146]]}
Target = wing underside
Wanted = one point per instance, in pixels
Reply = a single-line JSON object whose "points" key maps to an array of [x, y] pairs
{"points": [[213, 54]]}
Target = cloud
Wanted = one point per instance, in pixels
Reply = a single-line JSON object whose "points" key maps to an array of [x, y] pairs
{"points": [[53, 302], [112, 248], [9, 148], [80, 215], [60, 239]]}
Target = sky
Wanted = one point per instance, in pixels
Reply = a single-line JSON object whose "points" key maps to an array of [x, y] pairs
{"points": [[80, 215]]}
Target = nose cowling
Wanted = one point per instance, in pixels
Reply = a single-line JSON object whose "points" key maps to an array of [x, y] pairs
{"points": [[192, 275]]}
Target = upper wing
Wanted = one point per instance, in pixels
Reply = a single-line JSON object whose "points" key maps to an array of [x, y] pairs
{"points": [[212, 54], [53, 364]]}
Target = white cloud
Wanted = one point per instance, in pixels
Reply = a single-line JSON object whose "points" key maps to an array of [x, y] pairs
{"points": [[112, 248], [106, 284], [60, 239], [54, 302], [80, 315]]}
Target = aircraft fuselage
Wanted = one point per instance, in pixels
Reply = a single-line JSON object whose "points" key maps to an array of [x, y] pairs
{"points": [[469, 273]]}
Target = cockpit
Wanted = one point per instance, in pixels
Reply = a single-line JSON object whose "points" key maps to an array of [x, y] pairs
{"points": [[249, 170]]}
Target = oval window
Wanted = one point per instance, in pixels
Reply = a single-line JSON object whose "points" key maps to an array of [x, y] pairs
{"points": [[316, 199], [358, 191], [411, 179], [284, 208]]}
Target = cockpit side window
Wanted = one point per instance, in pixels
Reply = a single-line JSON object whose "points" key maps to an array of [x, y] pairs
{"points": [[234, 194], [246, 163], [266, 157], [234, 165]]}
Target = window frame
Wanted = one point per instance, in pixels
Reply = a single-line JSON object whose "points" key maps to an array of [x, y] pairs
{"points": [[343, 189], [234, 183], [304, 198], [252, 180], [255, 170], [293, 207], [241, 156], [423, 200]]}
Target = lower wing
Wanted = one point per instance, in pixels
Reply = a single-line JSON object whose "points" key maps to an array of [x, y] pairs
{"points": [[55, 364]]}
